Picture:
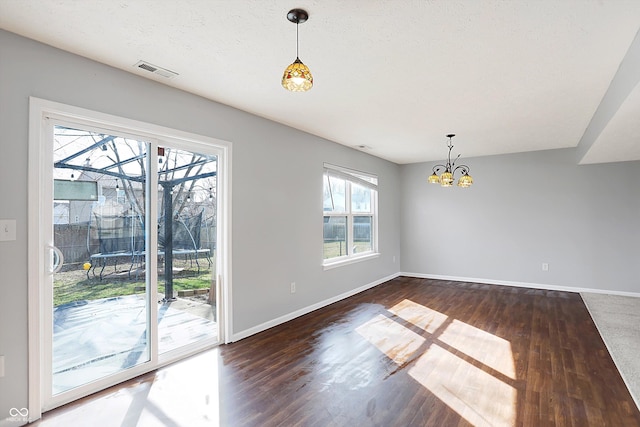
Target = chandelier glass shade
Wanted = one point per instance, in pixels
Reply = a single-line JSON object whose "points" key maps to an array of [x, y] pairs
{"points": [[297, 76], [465, 181], [447, 177]]}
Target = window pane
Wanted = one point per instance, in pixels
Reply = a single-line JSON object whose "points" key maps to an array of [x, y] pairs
{"points": [[186, 223], [334, 194], [106, 313], [360, 198], [362, 239], [335, 236]]}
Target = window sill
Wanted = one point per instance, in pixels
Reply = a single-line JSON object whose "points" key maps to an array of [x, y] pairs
{"points": [[351, 260]]}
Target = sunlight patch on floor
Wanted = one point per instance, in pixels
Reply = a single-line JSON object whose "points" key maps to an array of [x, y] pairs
{"points": [[471, 389], [477, 396], [167, 399], [391, 338], [492, 351], [187, 394], [419, 315]]}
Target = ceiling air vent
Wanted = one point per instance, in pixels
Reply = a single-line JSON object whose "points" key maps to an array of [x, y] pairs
{"points": [[155, 69]]}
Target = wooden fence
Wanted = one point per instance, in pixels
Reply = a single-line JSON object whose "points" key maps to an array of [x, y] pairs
{"points": [[76, 246]]}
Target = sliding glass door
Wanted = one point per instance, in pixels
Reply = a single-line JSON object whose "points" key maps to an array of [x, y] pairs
{"points": [[100, 305], [130, 232], [187, 223]]}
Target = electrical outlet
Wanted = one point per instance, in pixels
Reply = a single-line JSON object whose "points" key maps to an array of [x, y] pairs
{"points": [[293, 287], [545, 266]]}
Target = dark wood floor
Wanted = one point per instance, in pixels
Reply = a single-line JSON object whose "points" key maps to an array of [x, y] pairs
{"points": [[410, 352]]}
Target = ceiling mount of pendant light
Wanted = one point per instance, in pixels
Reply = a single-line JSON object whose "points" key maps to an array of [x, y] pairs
{"points": [[297, 77], [447, 177]]}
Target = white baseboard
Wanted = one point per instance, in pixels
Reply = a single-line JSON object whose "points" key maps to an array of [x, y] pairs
{"points": [[282, 319], [520, 284]]}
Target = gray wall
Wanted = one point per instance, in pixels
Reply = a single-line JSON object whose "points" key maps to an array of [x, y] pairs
{"points": [[277, 192], [524, 210]]}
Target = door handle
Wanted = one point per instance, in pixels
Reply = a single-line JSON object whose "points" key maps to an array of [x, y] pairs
{"points": [[58, 260]]}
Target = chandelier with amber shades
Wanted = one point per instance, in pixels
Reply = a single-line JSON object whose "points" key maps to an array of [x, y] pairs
{"points": [[447, 177], [297, 77]]}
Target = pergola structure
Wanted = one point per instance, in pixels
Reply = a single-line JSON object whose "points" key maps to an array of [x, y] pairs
{"points": [[124, 159]]}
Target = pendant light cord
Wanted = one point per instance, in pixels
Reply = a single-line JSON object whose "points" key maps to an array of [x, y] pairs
{"points": [[297, 54]]}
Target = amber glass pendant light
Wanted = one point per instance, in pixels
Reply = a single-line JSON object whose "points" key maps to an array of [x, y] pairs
{"points": [[297, 77]]}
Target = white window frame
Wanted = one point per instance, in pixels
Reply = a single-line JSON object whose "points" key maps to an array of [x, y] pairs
{"points": [[368, 180]]}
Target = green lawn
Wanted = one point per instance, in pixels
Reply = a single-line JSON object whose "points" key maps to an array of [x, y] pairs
{"points": [[73, 285], [334, 249]]}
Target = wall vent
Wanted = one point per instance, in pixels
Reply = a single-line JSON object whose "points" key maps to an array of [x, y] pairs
{"points": [[144, 65]]}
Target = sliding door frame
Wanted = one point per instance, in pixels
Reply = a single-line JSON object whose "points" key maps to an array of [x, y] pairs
{"points": [[39, 182]]}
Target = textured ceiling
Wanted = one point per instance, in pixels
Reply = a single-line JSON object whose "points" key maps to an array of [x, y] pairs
{"points": [[395, 75]]}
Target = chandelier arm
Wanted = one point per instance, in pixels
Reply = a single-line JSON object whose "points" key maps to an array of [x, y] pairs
{"points": [[436, 168], [465, 169], [454, 162]]}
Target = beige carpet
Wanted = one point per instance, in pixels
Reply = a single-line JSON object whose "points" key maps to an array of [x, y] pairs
{"points": [[618, 320]]}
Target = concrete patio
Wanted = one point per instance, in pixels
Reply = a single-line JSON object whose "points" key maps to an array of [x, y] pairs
{"points": [[93, 339]]}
